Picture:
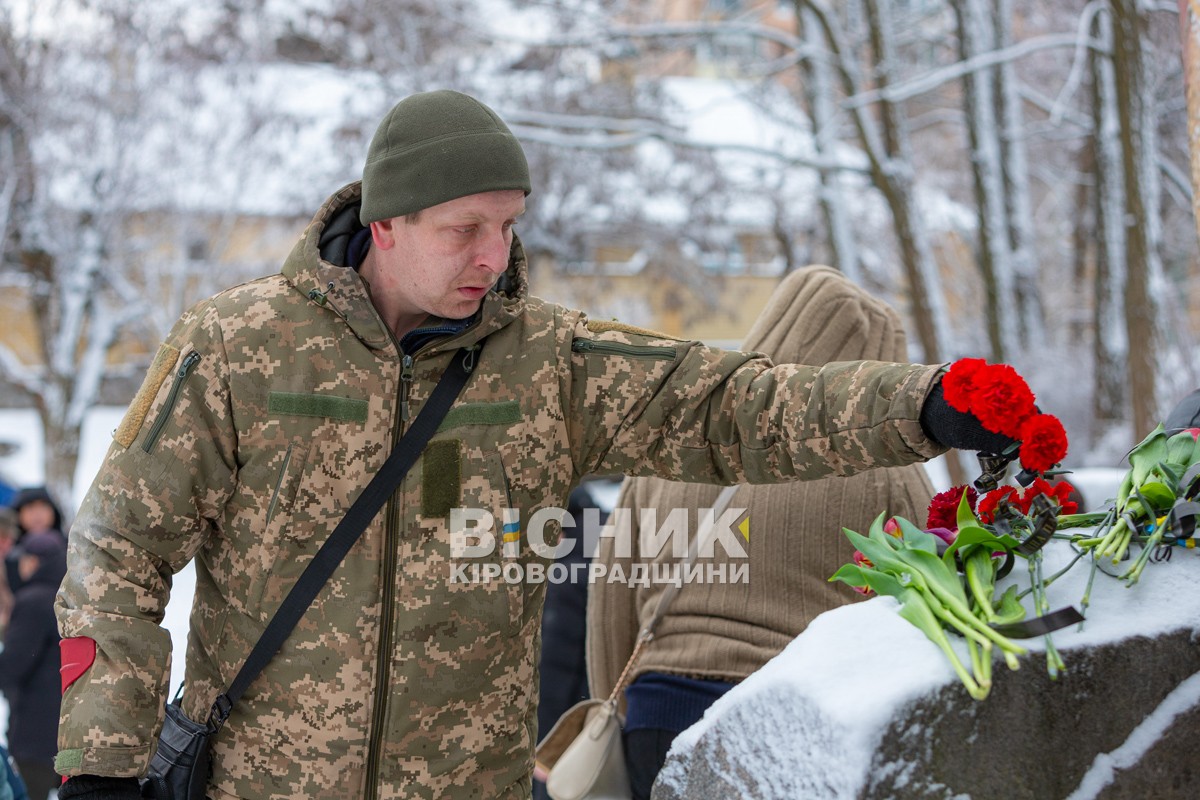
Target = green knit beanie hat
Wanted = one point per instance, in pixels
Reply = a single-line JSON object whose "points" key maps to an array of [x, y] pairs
{"points": [[437, 146]]}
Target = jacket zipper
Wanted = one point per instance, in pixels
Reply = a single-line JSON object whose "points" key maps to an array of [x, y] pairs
{"points": [[658, 353], [383, 683], [189, 361], [287, 459], [406, 376], [383, 676], [383, 672]]}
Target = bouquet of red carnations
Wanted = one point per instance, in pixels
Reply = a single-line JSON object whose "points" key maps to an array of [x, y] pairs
{"points": [[944, 576]]}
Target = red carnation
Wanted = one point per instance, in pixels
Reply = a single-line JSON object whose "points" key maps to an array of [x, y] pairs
{"points": [[956, 384], [1043, 443], [1059, 492], [987, 506], [1001, 400], [943, 508]]}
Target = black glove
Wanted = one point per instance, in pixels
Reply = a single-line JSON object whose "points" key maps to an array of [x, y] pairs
{"points": [[98, 787], [950, 427]]}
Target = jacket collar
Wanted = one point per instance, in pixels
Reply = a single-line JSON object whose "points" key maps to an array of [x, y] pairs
{"points": [[339, 289]]}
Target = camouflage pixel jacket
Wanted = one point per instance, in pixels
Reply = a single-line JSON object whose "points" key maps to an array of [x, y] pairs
{"points": [[267, 410]]}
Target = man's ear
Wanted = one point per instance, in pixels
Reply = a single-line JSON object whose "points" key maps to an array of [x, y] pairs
{"points": [[383, 233]]}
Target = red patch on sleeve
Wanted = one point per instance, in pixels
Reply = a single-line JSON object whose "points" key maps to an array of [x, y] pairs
{"points": [[78, 654]]}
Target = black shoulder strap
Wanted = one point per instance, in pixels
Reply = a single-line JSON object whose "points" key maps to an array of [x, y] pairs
{"points": [[368, 504]]}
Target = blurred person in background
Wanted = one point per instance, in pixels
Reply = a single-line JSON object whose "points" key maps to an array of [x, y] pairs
{"points": [[29, 662], [34, 511], [716, 634], [11, 785], [37, 511], [8, 539]]}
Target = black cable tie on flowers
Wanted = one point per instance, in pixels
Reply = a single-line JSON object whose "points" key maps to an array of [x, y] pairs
{"points": [[1045, 523], [1040, 626]]}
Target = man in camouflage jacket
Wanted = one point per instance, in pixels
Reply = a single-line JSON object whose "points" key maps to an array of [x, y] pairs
{"points": [[271, 405]]}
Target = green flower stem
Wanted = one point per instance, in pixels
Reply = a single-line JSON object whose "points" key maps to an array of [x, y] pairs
{"points": [[966, 629], [1086, 600], [914, 608], [970, 625], [1063, 571], [981, 579], [1091, 543], [985, 678], [1067, 521], [1054, 662], [975, 650], [1132, 575]]}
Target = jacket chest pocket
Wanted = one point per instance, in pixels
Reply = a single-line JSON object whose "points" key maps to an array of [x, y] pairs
{"points": [[304, 497], [274, 552]]}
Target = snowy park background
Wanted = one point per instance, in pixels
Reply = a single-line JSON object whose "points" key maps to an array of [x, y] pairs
{"points": [[975, 163], [1012, 175]]}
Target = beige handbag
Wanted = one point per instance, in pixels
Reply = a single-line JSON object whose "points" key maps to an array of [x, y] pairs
{"points": [[582, 755]]}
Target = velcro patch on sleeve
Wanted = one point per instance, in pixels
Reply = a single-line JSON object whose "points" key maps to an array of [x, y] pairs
{"points": [[441, 477], [345, 409], [506, 412], [160, 368], [67, 760], [601, 326], [78, 655]]}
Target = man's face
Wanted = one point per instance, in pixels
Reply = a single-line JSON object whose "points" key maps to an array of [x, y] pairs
{"points": [[445, 262]]}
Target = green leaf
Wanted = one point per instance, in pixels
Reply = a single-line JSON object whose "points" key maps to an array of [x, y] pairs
{"points": [[1159, 496], [878, 582], [1009, 609], [915, 537], [881, 555], [876, 528], [1147, 453], [942, 580], [849, 573], [975, 535], [965, 516]]}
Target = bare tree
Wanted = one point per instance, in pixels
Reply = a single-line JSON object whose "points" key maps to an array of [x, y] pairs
{"points": [[818, 88], [891, 166], [1144, 279], [107, 132], [976, 35], [1110, 344]]}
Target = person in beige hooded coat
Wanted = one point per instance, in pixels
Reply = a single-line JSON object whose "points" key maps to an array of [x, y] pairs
{"points": [[715, 634]]}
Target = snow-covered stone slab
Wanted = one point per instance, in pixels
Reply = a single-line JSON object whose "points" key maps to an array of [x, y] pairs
{"points": [[862, 705]]}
